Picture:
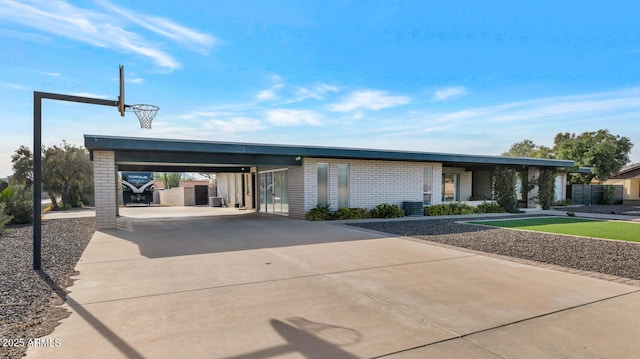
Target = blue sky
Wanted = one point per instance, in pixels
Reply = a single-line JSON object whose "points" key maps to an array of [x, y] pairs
{"points": [[438, 76]]}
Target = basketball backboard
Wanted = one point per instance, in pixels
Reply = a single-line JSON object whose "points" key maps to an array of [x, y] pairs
{"points": [[121, 96]]}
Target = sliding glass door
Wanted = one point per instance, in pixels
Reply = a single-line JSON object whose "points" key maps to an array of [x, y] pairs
{"points": [[273, 192]]}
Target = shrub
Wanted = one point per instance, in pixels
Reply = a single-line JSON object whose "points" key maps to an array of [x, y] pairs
{"points": [[608, 196], [504, 188], [319, 213], [387, 210], [489, 207], [18, 204], [351, 213], [4, 218], [448, 209], [546, 188]]}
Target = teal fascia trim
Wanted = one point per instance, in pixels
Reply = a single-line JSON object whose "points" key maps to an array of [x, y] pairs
{"points": [[125, 144]]}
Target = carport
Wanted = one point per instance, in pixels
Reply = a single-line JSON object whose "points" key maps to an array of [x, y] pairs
{"points": [[113, 154]]}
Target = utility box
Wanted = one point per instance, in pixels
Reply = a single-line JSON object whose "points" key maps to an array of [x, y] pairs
{"points": [[215, 201], [413, 208]]}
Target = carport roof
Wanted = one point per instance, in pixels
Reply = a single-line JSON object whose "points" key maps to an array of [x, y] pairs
{"points": [[160, 154]]}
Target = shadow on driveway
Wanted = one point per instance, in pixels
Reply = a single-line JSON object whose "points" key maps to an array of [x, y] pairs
{"points": [[170, 237]]}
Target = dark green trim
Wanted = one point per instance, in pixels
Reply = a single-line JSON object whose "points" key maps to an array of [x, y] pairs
{"points": [[249, 153]]}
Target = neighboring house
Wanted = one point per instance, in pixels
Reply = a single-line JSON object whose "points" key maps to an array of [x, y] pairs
{"points": [[629, 178], [291, 180]]}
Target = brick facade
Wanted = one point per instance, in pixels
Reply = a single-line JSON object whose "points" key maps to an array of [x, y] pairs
{"points": [[370, 182], [104, 182], [296, 190]]}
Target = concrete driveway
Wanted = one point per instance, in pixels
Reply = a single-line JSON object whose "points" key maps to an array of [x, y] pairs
{"points": [[259, 286]]}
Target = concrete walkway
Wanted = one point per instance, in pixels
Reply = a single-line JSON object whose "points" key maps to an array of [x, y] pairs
{"points": [[259, 286]]}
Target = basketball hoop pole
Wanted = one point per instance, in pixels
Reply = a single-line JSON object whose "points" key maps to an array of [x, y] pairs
{"points": [[37, 152], [37, 161]]}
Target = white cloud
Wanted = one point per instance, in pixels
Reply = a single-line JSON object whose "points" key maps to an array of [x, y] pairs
{"points": [[13, 86], [448, 92], [316, 92], [369, 99], [267, 95], [105, 29], [286, 117], [237, 125], [165, 27], [135, 80]]}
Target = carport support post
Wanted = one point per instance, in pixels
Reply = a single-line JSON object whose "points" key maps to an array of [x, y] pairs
{"points": [[104, 186]]}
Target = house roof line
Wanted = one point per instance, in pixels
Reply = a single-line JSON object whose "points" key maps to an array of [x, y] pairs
{"points": [[117, 143]]}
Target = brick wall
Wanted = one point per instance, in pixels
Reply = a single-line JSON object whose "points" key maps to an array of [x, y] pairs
{"points": [[371, 182], [104, 181], [296, 186]]}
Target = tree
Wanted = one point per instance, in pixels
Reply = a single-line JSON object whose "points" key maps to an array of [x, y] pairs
{"points": [[605, 153], [171, 179], [22, 163], [67, 172], [527, 148]]}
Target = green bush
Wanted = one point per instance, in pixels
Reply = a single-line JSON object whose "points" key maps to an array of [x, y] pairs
{"points": [[319, 213], [504, 188], [4, 218], [387, 210], [448, 209], [546, 188], [18, 204], [608, 196], [324, 212], [351, 213], [489, 207]]}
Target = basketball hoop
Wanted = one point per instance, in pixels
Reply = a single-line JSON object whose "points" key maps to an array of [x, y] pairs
{"points": [[145, 113]]}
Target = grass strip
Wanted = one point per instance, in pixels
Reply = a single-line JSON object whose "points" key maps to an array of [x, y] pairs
{"points": [[624, 231]]}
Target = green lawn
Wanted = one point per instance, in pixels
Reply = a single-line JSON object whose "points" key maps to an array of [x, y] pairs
{"points": [[573, 226]]}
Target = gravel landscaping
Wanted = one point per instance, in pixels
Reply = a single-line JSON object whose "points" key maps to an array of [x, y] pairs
{"points": [[30, 300], [615, 258]]}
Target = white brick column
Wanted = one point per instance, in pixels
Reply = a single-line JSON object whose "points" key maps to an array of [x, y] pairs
{"points": [[104, 182]]}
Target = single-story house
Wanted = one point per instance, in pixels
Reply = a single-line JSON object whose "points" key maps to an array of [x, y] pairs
{"points": [[629, 179], [291, 180]]}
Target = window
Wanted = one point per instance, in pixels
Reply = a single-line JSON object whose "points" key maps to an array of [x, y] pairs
{"points": [[450, 187], [323, 183], [343, 185], [426, 187]]}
